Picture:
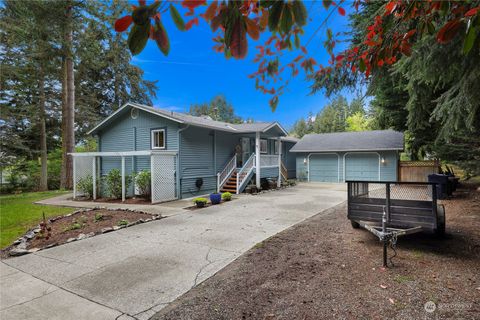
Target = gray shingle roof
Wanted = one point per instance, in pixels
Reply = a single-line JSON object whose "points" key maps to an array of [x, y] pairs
{"points": [[205, 121], [202, 121], [350, 141]]}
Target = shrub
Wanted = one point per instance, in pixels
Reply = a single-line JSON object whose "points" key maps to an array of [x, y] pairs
{"points": [[85, 185], [142, 181], [201, 200], [122, 223], [226, 196], [98, 217], [113, 181]]}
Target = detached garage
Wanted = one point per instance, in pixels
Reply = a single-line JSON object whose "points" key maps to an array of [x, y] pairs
{"points": [[336, 157]]}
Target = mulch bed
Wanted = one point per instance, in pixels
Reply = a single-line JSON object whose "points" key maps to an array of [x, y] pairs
{"points": [[111, 200], [76, 226], [324, 269]]}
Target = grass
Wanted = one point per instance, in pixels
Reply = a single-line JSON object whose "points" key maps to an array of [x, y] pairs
{"points": [[18, 213]]}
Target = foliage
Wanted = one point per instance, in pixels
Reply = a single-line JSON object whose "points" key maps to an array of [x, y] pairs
{"points": [[218, 109], [226, 196], [85, 184], [122, 223], [113, 181], [200, 200], [98, 217], [19, 213], [142, 181], [337, 116]]}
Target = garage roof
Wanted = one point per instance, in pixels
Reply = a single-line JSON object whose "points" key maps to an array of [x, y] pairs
{"points": [[350, 141]]}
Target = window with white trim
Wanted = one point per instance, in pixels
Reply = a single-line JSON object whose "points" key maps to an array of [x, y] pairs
{"points": [[263, 146], [158, 139], [275, 148]]}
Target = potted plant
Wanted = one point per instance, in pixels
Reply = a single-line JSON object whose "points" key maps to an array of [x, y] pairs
{"points": [[226, 196], [200, 202], [215, 198]]}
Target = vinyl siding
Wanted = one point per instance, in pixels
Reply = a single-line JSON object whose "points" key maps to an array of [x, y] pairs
{"points": [[225, 148], [388, 170]]}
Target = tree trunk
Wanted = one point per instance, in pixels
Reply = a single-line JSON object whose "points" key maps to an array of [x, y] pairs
{"points": [[68, 107], [43, 131]]}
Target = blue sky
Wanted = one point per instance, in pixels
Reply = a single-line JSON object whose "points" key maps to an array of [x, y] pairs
{"points": [[194, 73]]}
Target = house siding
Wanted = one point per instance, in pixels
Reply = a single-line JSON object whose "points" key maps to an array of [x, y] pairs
{"points": [[388, 170], [289, 159], [197, 161], [127, 134]]}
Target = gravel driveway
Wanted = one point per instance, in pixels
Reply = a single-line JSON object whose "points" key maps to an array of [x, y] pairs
{"points": [[136, 272]]}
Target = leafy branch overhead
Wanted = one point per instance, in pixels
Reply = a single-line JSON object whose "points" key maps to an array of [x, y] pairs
{"points": [[389, 36]]}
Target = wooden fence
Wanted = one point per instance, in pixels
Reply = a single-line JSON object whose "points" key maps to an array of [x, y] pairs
{"points": [[417, 171]]}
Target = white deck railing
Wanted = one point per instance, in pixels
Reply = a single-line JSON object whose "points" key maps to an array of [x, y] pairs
{"points": [[223, 176], [245, 171], [268, 160]]}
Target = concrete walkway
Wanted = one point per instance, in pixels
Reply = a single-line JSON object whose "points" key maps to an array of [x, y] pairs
{"points": [[137, 271]]}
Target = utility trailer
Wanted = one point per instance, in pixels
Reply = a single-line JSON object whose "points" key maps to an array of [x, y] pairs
{"points": [[393, 209]]}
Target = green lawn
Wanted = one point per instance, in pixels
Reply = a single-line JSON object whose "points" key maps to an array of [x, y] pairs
{"points": [[18, 213]]}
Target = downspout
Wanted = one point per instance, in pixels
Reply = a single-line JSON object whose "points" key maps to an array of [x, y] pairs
{"points": [[179, 195]]}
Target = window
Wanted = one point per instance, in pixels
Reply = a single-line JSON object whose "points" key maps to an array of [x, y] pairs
{"points": [[158, 139], [276, 147], [263, 146]]}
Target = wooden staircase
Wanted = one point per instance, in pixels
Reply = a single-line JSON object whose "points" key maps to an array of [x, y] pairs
{"points": [[231, 184]]}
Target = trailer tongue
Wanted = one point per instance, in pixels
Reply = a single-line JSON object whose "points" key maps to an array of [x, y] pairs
{"points": [[393, 209]]}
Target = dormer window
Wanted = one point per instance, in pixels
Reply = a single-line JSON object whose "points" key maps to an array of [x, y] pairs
{"points": [[158, 139]]}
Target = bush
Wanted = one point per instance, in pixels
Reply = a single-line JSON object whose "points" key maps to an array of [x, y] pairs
{"points": [[200, 202], [113, 182], [142, 181], [85, 185], [226, 196]]}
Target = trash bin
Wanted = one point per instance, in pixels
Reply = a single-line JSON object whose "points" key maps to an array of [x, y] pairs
{"points": [[442, 184]]}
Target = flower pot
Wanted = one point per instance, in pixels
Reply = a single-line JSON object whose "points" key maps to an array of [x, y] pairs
{"points": [[200, 204], [215, 198]]}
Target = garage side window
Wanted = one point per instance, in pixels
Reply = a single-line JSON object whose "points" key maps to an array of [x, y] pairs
{"points": [[158, 139]]}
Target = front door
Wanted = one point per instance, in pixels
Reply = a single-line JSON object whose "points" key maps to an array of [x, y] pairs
{"points": [[245, 149]]}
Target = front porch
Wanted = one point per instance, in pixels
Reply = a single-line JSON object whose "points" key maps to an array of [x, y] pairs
{"points": [[234, 178]]}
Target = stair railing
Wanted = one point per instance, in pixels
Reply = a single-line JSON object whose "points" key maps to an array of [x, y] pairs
{"points": [[245, 171], [227, 171]]}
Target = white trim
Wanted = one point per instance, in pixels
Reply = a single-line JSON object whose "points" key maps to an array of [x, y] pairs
{"points": [[257, 160], [121, 154], [279, 180], [152, 139], [345, 164], [322, 153], [275, 124]]}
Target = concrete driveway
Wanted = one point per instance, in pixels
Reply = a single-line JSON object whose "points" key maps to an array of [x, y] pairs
{"points": [[135, 272]]}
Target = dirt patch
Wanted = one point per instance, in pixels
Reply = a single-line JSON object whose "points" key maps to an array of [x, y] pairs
{"points": [[77, 226], [324, 269]]}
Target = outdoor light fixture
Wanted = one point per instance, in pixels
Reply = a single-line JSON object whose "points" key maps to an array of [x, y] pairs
{"points": [[383, 160], [304, 160]]}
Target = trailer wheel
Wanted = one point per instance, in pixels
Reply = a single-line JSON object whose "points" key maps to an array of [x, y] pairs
{"points": [[355, 225], [440, 231]]}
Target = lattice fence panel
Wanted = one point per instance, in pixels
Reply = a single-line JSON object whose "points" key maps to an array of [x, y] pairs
{"points": [[83, 169], [164, 182]]}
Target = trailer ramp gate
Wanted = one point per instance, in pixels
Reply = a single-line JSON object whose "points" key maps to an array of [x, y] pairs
{"points": [[393, 209]]}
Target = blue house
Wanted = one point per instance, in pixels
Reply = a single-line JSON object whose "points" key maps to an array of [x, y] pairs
{"points": [[186, 155], [336, 157]]}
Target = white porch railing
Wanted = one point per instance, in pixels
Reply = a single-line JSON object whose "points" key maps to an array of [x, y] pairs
{"points": [[245, 171], [268, 160], [223, 176]]}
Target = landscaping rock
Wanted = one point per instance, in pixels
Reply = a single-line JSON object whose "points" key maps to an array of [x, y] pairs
{"points": [[108, 229], [71, 240], [82, 236], [22, 245], [91, 234], [30, 235], [33, 250], [115, 228], [17, 241], [36, 230], [51, 245], [18, 252]]}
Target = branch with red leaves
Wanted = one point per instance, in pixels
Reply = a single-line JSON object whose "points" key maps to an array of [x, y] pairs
{"points": [[233, 22]]}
